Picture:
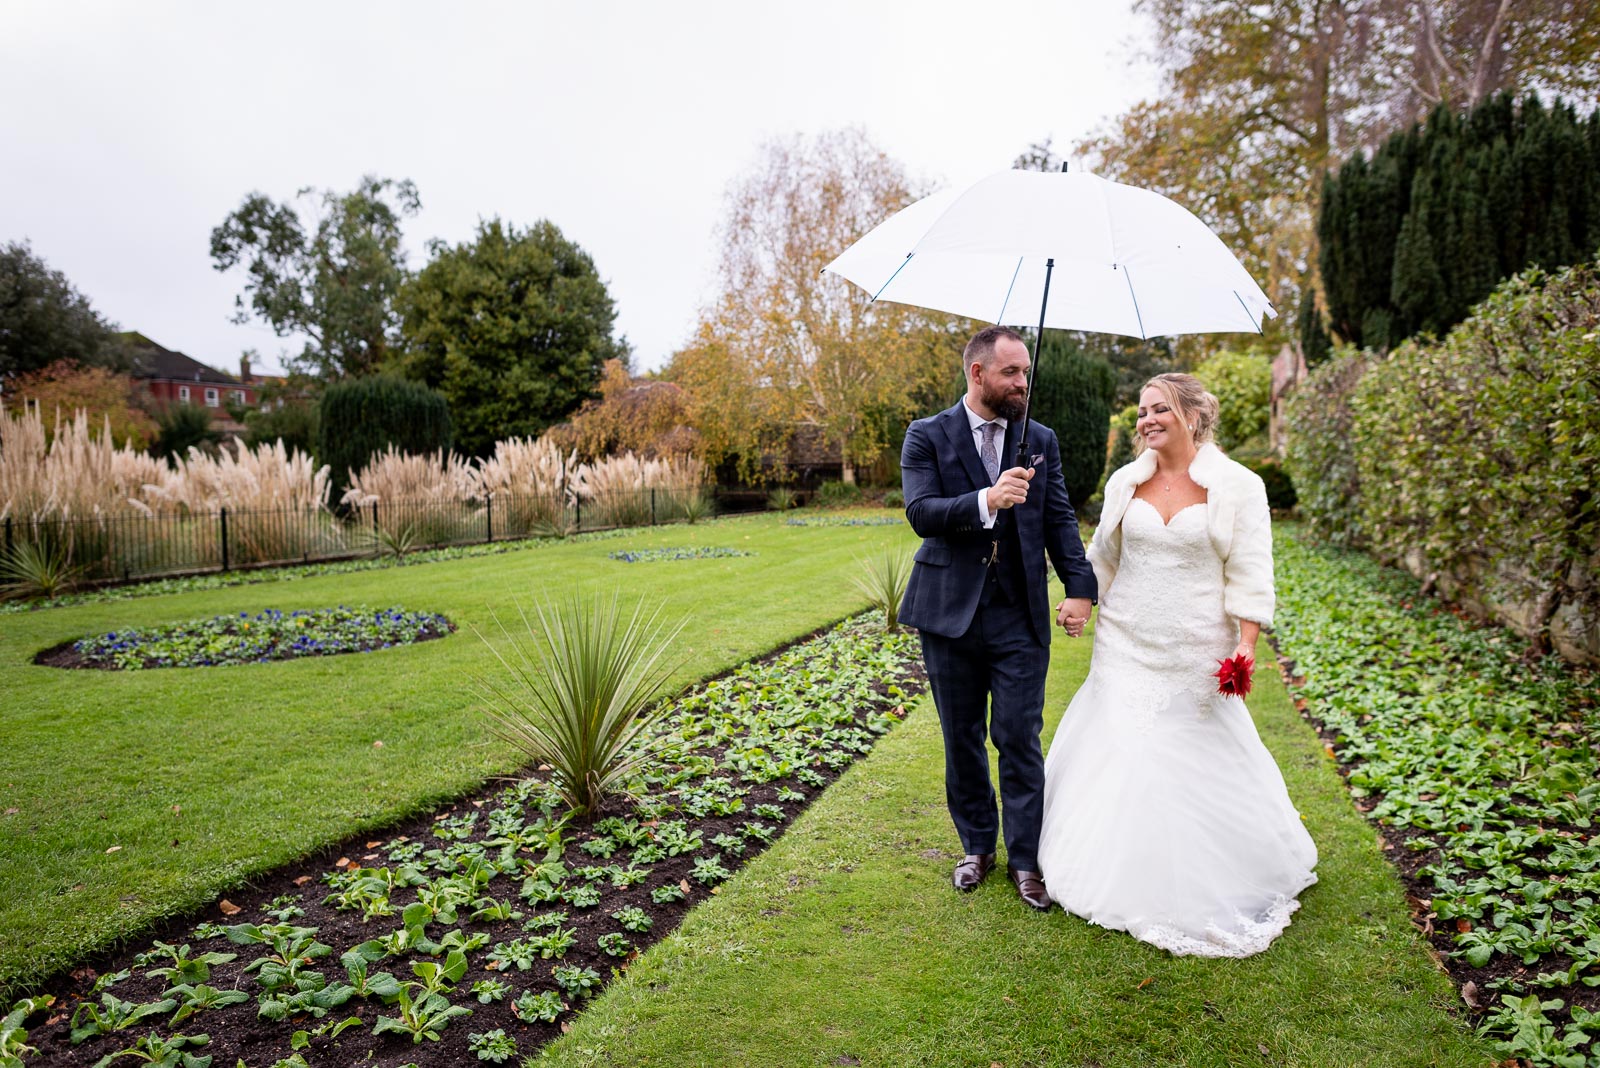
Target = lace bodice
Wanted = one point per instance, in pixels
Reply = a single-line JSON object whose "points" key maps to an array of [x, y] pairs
{"points": [[1162, 620]]}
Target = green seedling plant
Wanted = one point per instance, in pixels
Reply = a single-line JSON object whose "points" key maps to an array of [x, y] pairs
{"points": [[113, 1014], [495, 1046], [635, 919], [665, 895], [544, 921], [577, 983], [538, 1008], [199, 997], [614, 944], [709, 870], [366, 983], [331, 1029], [182, 967], [13, 1036], [160, 1052], [284, 907], [487, 909], [488, 990], [425, 1010]]}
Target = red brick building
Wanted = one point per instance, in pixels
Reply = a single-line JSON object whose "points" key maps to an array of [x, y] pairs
{"points": [[173, 378]]}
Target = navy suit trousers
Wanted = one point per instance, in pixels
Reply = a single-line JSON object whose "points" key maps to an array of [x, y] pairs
{"points": [[990, 682]]}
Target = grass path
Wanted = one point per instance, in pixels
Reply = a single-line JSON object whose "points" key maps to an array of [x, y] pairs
{"points": [[844, 944], [129, 797]]}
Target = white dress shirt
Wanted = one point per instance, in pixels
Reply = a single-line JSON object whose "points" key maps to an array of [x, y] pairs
{"points": [[977, 422]]}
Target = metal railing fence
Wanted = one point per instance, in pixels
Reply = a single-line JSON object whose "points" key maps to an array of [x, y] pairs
{"points": [[133, 545]]}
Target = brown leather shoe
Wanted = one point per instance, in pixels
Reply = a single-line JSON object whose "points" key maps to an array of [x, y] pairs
{"points": [[1030, 887], [971, 870]]}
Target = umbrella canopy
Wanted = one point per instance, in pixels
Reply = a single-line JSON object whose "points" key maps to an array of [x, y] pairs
{"points": [[1119, 260]]}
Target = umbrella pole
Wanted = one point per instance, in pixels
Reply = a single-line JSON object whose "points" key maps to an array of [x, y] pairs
{"points": [[1033, 370]]}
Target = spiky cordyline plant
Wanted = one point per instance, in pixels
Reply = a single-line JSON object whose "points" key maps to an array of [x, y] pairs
{"points": [[883, 579], [579, 694], [42, 568]]}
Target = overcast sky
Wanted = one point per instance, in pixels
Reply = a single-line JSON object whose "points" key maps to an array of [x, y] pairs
{"points": [[129, 130]]}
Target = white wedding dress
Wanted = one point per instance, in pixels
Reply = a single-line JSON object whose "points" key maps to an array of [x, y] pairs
{"points": [[1164, 815]]}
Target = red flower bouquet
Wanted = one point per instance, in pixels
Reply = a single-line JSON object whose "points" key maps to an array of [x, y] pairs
{"points": [[1233, 675]]}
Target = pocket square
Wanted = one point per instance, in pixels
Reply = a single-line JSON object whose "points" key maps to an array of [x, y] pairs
{"points": [[1038, 458]]}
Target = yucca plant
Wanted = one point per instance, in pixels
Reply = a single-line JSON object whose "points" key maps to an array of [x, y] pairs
{"points": [[38, 569], [579, 693], [780, 499], [883, 580], [387, 540]]}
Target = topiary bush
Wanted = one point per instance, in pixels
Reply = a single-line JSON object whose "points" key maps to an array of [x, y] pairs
{"points": [[360, 417], [1072, 395]]}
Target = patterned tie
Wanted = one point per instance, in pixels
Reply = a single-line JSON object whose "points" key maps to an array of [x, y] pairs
{"points": [[987, 453]]}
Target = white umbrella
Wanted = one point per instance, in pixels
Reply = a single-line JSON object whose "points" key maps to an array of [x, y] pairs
{"points": [[1088, 253], [1068, 250]]}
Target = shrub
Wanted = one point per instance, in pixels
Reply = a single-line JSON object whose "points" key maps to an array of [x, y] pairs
{"points": [[894, 499], [580, 696], [781, 499], [1280, 487], [181, 427], [295, 424], [837, 495], [1072, 395], [1242, 383], [360, 417], [883, 580], [1321, 455], [1119, 450]]}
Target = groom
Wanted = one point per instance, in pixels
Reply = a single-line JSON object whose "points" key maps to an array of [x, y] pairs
{"points": [[978, 596]]}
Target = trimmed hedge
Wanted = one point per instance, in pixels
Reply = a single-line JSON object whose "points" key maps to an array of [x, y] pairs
{"points": [[360, 417], [1472, 459]]}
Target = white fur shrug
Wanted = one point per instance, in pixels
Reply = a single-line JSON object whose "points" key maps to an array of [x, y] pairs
{"points": [[1237, 520]]}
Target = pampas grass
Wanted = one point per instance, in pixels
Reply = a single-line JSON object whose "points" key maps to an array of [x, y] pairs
{"points": [[532, 485], [417, 500]]}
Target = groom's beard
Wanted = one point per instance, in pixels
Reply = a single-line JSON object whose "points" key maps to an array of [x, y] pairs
{"points": [[1008, 406]]}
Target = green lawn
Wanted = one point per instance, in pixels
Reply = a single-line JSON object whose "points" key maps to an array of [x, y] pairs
{"points": [[197, 778], [844, 944]]}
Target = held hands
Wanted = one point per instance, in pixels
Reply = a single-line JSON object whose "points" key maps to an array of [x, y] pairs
{"points": [[1072, 614], [1246, 650], [1010, 489]]}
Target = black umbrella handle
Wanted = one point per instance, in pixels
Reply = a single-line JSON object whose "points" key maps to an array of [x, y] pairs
{"points": [[1033, 370]]}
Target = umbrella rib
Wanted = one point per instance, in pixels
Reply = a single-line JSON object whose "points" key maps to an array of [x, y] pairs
{"points": [[1133, 297], [892, 277], [1007, 302], [1254, 325]]}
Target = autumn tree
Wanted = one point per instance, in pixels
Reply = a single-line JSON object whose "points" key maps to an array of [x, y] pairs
{"points": [[645, 416], [785, 346], [1257, 97], [328, 267], [64, 388]]}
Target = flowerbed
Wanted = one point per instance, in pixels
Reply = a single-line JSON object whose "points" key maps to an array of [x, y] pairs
{"points": [[693, 552], [848, 521], [471, 934], [246, 639], [1478, 764]]}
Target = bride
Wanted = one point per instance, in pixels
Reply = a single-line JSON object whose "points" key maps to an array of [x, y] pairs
{"points": [[1164, 814]]}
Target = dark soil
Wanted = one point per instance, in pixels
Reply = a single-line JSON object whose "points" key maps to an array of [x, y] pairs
{"points": [[237, 1033]]}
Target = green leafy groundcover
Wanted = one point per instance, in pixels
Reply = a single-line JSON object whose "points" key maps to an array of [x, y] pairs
{"points": [[268, 635], [480, 929], [690, 552], [1479, 765]]}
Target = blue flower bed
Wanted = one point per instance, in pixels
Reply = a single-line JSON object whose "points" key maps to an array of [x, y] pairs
{"points": [[846, 521], [697, 552], [269, 635]]}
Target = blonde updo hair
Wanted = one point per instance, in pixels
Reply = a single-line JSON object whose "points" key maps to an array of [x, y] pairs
{"points": [[1195, 406]]}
